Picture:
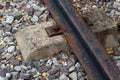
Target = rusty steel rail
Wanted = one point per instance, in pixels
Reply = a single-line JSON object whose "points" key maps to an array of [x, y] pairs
{"points": [[93, 57]]}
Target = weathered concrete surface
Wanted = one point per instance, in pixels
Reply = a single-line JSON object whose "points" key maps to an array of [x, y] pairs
{"points": [[103, 27], [34, 42]]}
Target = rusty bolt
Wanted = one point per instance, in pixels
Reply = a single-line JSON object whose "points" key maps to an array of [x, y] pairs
{"points": [[56, 28]]}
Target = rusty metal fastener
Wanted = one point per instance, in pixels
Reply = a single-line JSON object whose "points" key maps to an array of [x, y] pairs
{"points": [[56, 30]]}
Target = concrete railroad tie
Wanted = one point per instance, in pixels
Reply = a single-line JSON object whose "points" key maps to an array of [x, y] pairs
{"points": [[35, 43]]}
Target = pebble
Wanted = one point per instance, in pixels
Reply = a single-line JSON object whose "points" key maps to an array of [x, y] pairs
{"points": [[14, 74], [3, 78], [24, 76], [9, 19], [73, 76], [118, 1], [17, 15], [55, 62], [80, 75], [13, 4], [43, 68], [17, 68], [7, 56], [3, 66], [116, 4], [34, 18], [94, 6], [3, 72], [15, 62], [11, 49], [71, 68], [66, 72], [65, 64], [63, 77], [116, 57], [118, 48], [117, 13], [30, 11], [8, 75], [24, 67], [36, 7]]}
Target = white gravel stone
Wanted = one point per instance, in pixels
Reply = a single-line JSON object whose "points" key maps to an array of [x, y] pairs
{"points": [[11, 49], [77, 65], [71, 68], [94, 6], [119, 8], [3, 78], [116, 4], [3, 66], [117, 0], [9, 19], [63, 77], [118, 49], [7, 39], [8, 75], [65, 64], [34, 18], [36, 7], [118, 63], [49, 62], [55, 62], [73, 76], [117, 13]]}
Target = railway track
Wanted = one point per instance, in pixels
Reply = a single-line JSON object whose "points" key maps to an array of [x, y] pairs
{"points": [[93, 57]]}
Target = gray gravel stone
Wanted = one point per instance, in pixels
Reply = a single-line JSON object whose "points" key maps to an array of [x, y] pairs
{"points": [[17, 68], [13, 4], [1, 12], [24, 76], [15, 62], [43, 68], [34, 18], [30, 11], [80, 75], [17, 15], [24, 67], [36, 7], [14, 74], [3, 72]]}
